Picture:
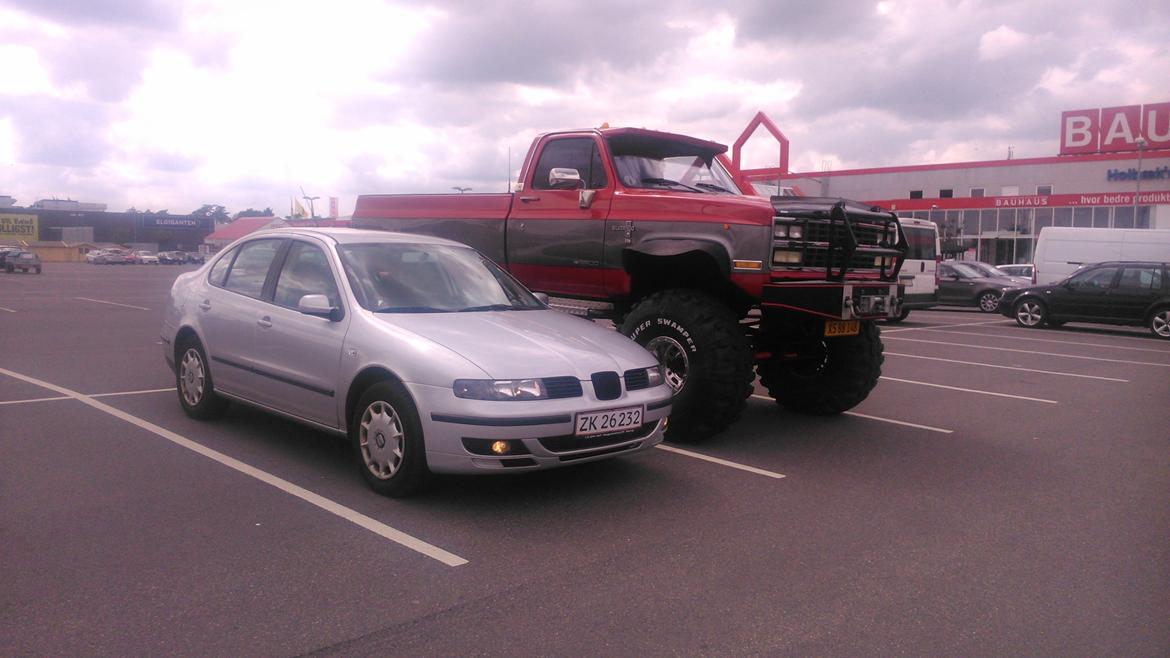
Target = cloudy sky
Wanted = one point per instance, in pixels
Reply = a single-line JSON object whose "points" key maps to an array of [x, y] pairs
{"points": [[176, 103]]}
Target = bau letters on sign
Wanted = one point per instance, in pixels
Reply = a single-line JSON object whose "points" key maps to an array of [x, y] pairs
{"points": [[1112, 129]]}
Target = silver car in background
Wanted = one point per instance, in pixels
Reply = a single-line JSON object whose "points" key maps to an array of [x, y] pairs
{"points": [[426, 354]]}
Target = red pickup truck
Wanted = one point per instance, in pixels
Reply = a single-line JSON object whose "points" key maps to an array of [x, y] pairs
{"points": [[719, 283]]}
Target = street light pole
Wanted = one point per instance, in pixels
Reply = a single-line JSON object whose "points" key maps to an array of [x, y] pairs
{"points": [[1141, 145]]}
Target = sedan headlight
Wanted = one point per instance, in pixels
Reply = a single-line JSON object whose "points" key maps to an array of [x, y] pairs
{"points": [[500, 389], [654, 376]]}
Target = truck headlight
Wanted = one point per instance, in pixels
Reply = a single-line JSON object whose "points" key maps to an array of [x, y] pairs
{"points": [[792, 231], [500, 389], [784, 257]]}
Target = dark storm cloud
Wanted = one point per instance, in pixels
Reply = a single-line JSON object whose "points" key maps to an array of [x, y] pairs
{"points": [[550, 43], [56, 132], [157, 14]]}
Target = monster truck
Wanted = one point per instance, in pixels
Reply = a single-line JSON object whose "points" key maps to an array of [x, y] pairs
{"points": [[655, 230]]}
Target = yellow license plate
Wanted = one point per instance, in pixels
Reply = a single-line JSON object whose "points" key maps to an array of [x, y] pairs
{"points": [[842, 327]]}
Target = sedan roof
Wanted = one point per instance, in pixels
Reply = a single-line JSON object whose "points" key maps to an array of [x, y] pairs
{"points": [[354, 236]]}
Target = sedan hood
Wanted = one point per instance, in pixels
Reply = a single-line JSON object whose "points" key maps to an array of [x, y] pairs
{"points": [[527, 344]]}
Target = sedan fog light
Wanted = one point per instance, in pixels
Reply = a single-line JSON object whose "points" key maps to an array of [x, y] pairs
{"points": [[500, 447]]}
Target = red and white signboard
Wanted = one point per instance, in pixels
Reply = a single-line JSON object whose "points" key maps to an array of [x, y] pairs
{"points": [[1114, 129]]}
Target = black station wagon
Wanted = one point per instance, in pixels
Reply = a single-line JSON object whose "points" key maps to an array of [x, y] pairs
{"points": [[1131, 293]]}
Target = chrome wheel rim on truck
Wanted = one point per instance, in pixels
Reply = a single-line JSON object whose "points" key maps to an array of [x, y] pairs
{"points": [[673, 359]]}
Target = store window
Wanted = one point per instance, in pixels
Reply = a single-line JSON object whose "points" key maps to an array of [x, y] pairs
{"points": [[1043, 218], [987, 225], [946, 194], [1143, 217], [971, 222], [1083, 217], [1044, 190], [1062, 216], [915, 194], [976, 192], [1123, 217], [1101, 217]]}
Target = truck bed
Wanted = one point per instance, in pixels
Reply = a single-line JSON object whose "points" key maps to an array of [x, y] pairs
{"points": [[473, 219]]}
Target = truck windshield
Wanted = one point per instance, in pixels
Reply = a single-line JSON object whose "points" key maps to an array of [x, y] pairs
{"points": [[670, 165], [389, 277]]}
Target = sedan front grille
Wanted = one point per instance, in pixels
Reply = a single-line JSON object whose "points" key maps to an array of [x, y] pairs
{"points": [[637, 380], [562, 387]]}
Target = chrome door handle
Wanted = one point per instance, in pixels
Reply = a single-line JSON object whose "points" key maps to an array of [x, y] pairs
{"points": [[205, 305], [265, 322]]}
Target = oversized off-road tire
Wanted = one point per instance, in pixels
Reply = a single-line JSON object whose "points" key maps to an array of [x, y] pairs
{"points": [[705, 356], [387, 440], [839, 376]]}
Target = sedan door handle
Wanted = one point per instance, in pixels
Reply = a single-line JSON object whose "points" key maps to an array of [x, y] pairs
{"points": [[265, 322], [205, 305]]}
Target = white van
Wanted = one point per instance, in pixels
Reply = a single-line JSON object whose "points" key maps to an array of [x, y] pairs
{"points": [[919, 274], [1060, 250]]}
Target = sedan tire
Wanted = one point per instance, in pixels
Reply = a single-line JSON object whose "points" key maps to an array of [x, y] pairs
{"points": [[1160, 322], [989, 301], [388, 441], [1030, 313], [193, 382]]}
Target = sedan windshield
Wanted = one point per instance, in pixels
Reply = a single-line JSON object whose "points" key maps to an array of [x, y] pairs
{"points": [[390, 277]]}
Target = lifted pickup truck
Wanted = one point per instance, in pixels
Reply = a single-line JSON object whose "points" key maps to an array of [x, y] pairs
{"points": [[719, 284]]}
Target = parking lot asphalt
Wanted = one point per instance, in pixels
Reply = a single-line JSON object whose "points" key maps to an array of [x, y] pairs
{"points": [[1002, 491]]}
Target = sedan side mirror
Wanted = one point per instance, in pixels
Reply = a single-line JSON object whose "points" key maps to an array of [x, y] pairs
{"points": [[319, 306]]}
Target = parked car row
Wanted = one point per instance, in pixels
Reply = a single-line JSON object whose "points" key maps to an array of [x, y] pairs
{"points": [[142, 257]]}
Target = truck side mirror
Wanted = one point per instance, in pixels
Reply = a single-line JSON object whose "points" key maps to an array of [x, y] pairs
{"points": [[562, 178]]}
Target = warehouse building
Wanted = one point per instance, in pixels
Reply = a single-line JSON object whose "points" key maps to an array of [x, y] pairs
{"points": [[55, 220], [1112, 170]]}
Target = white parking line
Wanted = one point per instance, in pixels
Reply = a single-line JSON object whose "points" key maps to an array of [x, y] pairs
{"points": [[721, 462], [1011, 349], [900, 422], [879, 418], [992, 365], [7, 309], [92, 395], [353, 516], [969, 390], [102, 301], [939, 326], [1050, 340]]}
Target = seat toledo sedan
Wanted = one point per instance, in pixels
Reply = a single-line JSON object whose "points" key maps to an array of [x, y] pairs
{"points": [[428, 356]]}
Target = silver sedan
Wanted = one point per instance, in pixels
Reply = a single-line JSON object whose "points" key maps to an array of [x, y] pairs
{"points": [[426, 355]]}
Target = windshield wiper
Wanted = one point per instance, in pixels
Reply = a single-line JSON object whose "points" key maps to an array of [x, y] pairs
{"points": [[668, 182], [489, 307], [410, 309], [713, 186]]}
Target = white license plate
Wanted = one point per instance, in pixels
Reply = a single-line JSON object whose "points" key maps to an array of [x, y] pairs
{"points": [[607, 422]]}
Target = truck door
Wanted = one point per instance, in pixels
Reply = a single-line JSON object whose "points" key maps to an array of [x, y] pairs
{"points": [[554, 245]]}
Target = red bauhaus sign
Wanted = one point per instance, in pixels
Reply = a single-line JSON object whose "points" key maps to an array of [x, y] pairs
{"points": [[1111, 129]]}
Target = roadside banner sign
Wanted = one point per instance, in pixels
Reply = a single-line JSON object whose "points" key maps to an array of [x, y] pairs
{"points": [[15, 227]]}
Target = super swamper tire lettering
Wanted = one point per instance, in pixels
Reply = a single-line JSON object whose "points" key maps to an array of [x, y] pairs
{"points": [[847, 371], [693, 327]]}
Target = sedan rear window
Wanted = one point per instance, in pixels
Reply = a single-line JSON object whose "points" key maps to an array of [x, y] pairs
{"points": [[250, 268]]}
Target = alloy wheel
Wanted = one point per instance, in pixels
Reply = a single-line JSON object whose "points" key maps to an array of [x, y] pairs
{"points": [[191, 377], [382, 440], [1030, 314], [1160, 323]]}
